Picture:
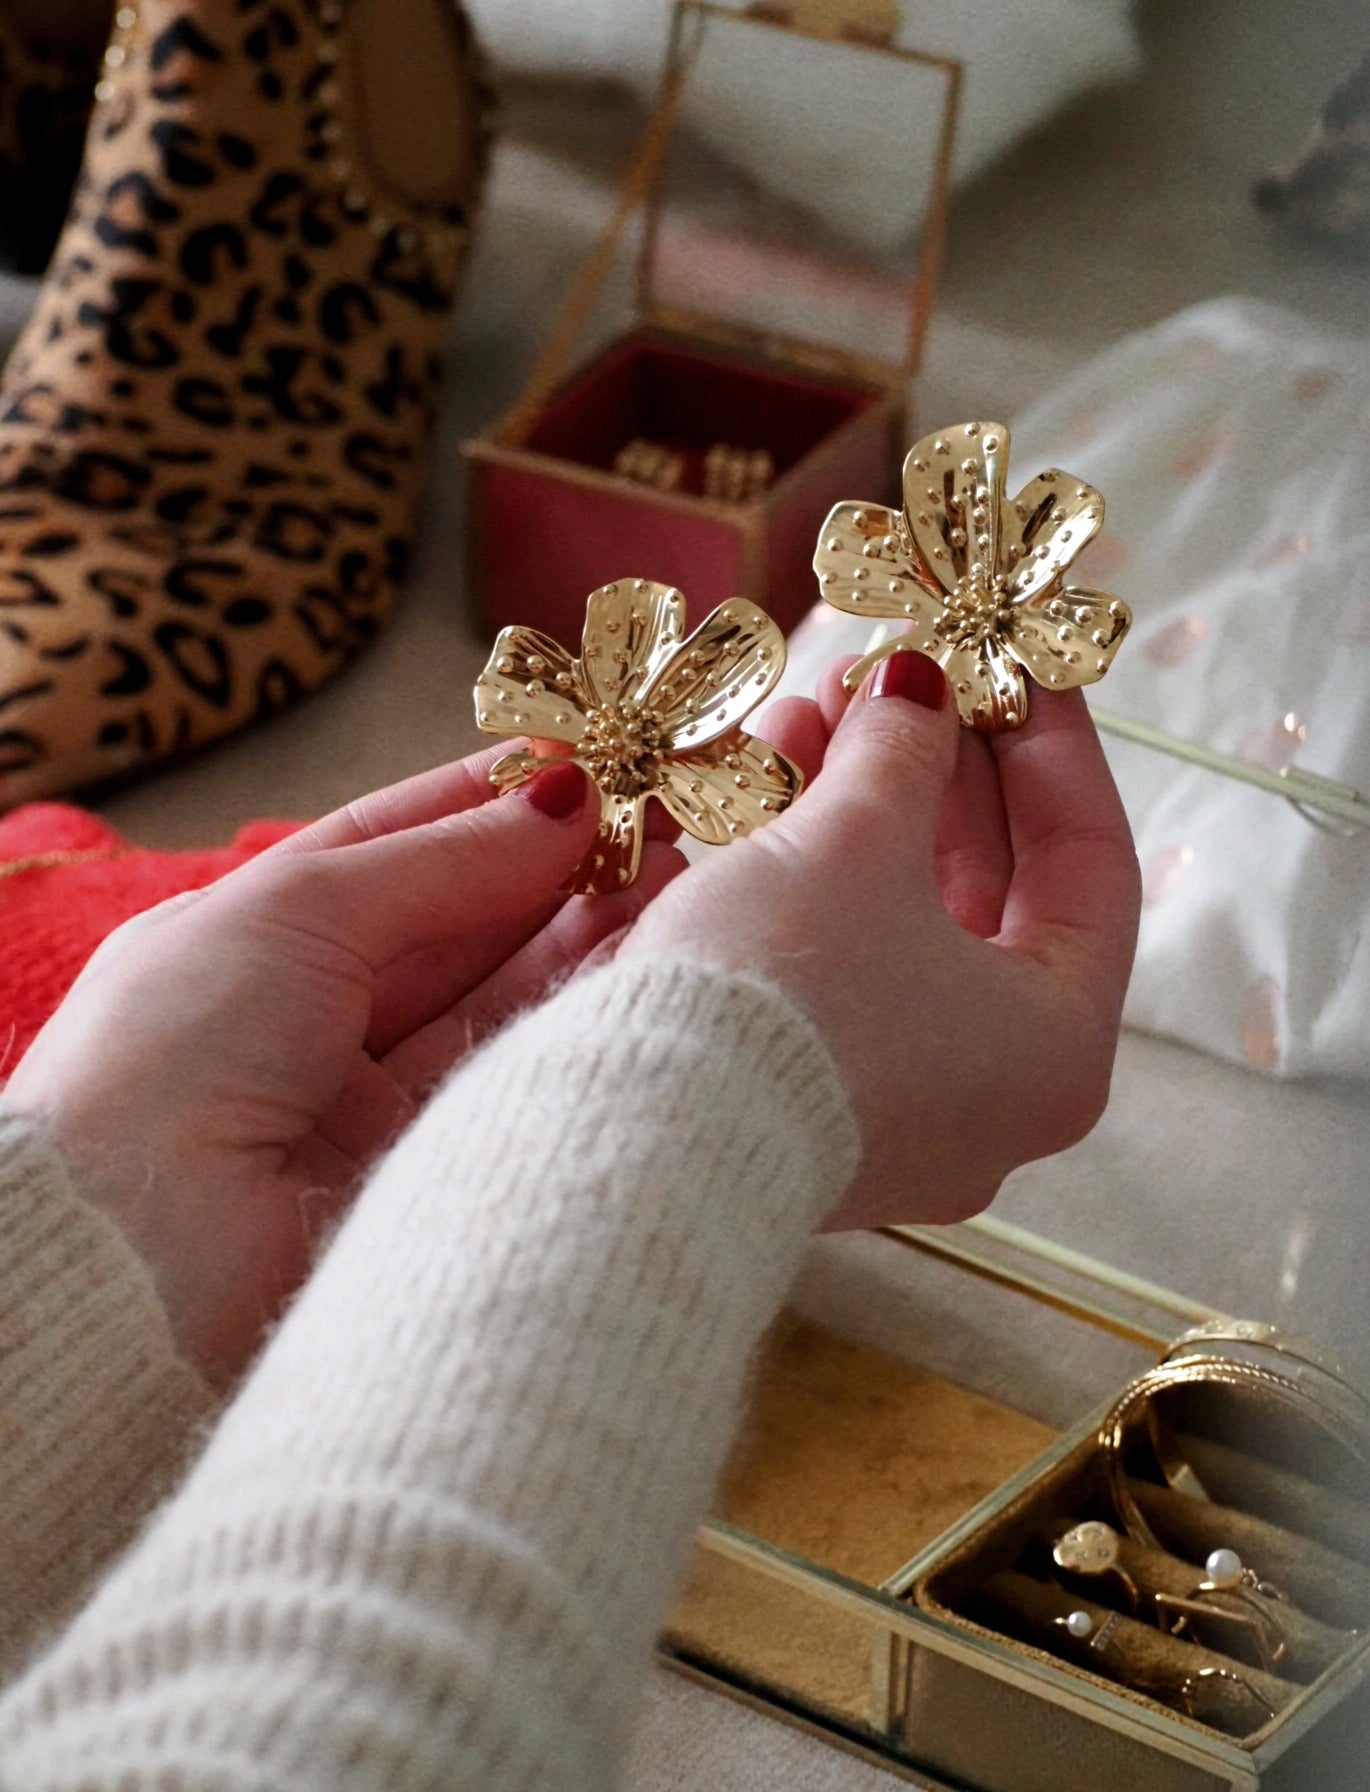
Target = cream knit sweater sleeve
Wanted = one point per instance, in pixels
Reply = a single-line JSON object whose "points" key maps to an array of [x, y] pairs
{"points": [[97, 1412], [431, 1541]]}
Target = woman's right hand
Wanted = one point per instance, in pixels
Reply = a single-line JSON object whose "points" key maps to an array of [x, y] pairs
{"points": [[958, 916]]}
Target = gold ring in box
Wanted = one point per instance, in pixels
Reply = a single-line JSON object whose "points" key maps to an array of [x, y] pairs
{"points": [[650, 463], [1226, 1577], [1091, 1549]]}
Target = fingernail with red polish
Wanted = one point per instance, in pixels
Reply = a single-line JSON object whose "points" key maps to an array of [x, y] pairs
{"points": [[913, 676], [557, 792]]}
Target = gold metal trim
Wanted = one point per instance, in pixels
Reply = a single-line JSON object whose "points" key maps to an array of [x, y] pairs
{"points": [[952, 1246], [700, 1673]]}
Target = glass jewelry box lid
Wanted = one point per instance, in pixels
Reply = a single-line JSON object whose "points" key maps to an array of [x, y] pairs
{"points": [[720, 261]]}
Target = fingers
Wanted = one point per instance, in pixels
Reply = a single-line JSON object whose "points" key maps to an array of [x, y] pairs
{"points": [[890, 762], [446, 790], [367, 1115], [1075, 882], [418, 1062], [657, 822], [974, 857], [832, 695], [480, 881], [795, 725]]}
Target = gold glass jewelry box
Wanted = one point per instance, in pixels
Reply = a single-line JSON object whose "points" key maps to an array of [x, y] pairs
{"points": [[749, 338], [860, 1481]]}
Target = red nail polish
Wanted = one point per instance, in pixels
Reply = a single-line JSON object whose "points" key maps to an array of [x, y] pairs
{"points": [[558, 791], [913, 676]]}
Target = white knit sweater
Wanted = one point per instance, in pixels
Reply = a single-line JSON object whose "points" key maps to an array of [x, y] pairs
{"points": [[429, 1542]]}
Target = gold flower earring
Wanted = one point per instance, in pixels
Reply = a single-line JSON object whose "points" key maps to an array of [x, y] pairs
{"points": [[647, 712], [978, 578]]}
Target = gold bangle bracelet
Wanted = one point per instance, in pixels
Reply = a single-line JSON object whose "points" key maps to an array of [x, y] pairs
{"points": [[1336, 1418]]}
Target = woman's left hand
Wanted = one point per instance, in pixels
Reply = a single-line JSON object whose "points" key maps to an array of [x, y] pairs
{"points": [[227, 1065]]}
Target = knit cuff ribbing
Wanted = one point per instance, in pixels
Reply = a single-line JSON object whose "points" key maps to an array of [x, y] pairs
{"points": [[771, 1044], [98, 1409]]}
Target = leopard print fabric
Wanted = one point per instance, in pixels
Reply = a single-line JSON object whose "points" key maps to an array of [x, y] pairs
{"points": [[212, 426]]}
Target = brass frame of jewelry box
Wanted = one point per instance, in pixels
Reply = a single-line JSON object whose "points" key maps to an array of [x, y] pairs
{"points": [[986, 1248]]}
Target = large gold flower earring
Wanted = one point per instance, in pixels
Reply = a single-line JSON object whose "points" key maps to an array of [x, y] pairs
{"points": [[978, 579], [648, 713]]}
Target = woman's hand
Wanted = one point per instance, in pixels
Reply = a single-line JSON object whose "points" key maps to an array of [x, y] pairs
{"points": [[957, 914], [227, 1065]]}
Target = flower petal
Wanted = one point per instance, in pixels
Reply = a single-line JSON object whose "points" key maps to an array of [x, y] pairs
{"points": [[726, 789], [517, 768], [953, 498], [866, 565], [1067, 636], [631, 629], [612, 862], [1050, 521], [715, 678], [531, 685], [989, 688]]}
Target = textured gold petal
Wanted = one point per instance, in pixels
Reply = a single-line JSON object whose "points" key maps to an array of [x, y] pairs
{"points": [[631, 629], [731, 662], [866, 565], [1067, 636], [613, 861], [953, 498], [517, 768], [988, 687], [530, 685], [1050, 521], [720, 792]]}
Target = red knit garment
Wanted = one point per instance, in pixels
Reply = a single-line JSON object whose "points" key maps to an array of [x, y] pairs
{"points": [[52, 917]]}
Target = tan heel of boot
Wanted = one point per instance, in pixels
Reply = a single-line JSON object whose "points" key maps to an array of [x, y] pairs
{"points": [[212, 429]]}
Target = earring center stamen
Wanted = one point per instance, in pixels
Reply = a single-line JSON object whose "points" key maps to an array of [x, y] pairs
{"points": [[623, 747], [975, 610]]}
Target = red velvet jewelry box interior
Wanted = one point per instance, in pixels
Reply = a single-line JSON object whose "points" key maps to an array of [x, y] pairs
{"points": [[551, 519]]}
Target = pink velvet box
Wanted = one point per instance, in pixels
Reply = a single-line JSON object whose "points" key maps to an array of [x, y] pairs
{"points": [[551, 519]]}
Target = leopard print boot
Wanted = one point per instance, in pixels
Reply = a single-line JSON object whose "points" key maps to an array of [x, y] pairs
{"points": [[212, 428], [45, 100]]}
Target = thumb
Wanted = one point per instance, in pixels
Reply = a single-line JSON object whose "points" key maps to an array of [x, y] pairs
{"points": [[895, 749], [483, 870]]}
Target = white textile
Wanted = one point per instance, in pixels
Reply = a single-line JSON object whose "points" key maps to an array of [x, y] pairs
{"points": [[833, 131], [1232, 444]]}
